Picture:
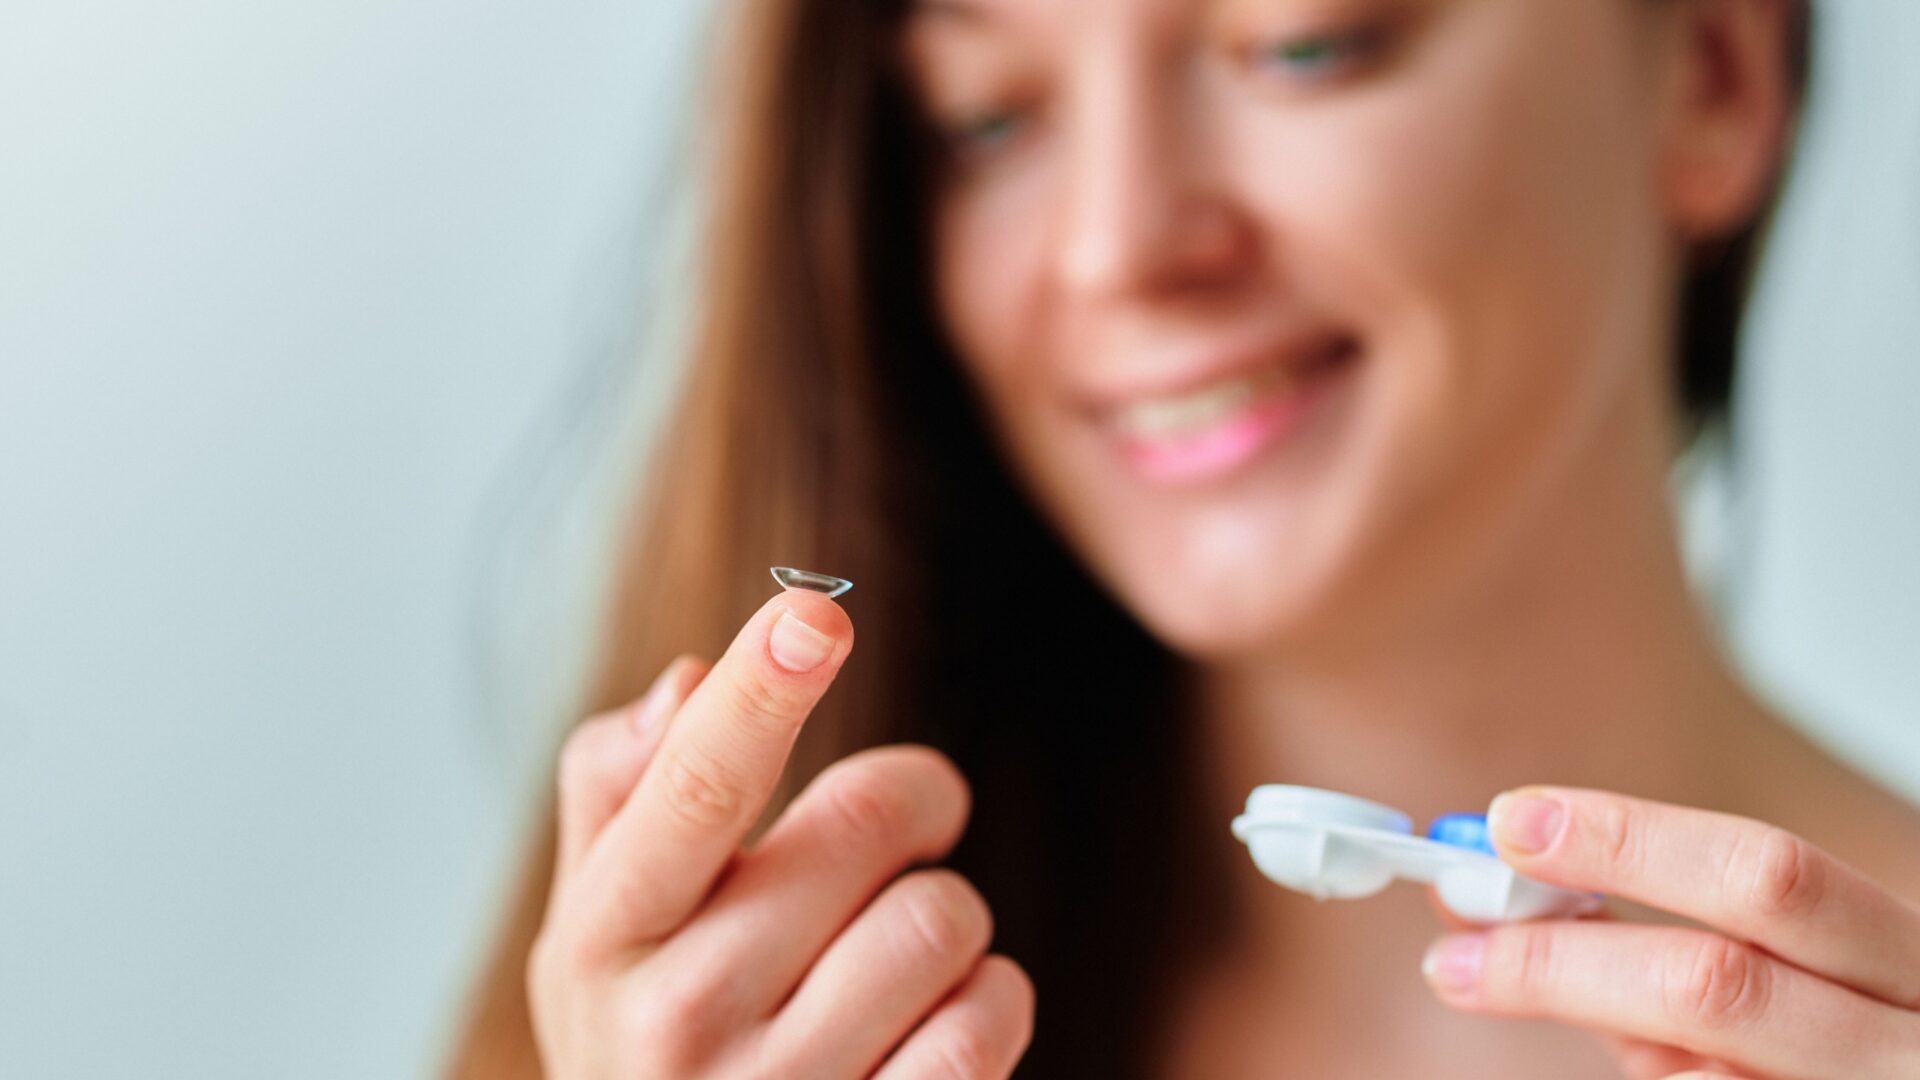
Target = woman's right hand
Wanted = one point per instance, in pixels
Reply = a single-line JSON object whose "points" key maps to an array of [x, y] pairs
{"points": [[669, 950]]}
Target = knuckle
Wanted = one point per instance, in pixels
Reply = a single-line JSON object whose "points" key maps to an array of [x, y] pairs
{"points": [[701, 792], [1716, 983], [1617, 836], [896, 796], [870, 804], [671, 1022], [764, 708], [1531, 960], [943, 914], [1784, 875], [641, 897]]}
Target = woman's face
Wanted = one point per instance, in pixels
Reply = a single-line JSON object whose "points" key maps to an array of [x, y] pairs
{"points": [[1278, 306]]}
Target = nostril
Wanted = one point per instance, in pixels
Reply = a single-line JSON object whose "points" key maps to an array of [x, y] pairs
{"points": [[1338, 352]]}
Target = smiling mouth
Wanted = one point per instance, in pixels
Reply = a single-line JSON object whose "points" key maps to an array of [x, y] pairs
{"points": [[1195, 414]]}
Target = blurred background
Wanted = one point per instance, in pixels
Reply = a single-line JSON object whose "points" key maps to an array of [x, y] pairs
{"points": [[328, 338]]}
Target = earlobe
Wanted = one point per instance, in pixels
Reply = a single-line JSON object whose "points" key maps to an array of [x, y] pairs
{"points": [[1717, 183], [1730, 115]]}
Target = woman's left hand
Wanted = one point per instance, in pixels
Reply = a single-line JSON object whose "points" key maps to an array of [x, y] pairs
{"points": [[1807, 968]]}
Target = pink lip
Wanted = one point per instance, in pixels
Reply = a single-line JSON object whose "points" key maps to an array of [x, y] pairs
{"points": [[1227, 447]]}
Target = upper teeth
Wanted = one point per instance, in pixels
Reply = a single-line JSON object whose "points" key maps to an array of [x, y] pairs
{"points": [[1196, 410]]}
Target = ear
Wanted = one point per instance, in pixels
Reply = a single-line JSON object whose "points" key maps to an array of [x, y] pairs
{"points": [[1729, 108]]}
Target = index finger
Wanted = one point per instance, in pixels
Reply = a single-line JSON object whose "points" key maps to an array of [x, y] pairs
{"points": [[711, 777], [1754, 881]]}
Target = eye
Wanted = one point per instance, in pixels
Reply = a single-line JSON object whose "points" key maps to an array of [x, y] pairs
{"points": [[984, 133], [1319, 57]]}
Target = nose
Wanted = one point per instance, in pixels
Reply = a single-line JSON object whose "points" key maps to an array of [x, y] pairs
{"points": [[1141, 212]]}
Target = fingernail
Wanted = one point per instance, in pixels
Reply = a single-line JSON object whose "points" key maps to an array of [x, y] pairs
{"points": [[1453, 962], [797, 646], [652, 703], [1527, 823]]}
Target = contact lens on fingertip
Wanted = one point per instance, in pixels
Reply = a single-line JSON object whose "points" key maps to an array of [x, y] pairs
{"points": [[789, 578]]}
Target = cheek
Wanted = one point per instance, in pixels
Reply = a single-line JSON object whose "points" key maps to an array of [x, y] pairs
{"points": [[1482, 220], [989, 270], [990, 243]]}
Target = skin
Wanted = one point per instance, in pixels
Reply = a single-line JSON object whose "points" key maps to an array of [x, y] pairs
{"points": [[1460, 577], [670, 950], [1497, 210]]}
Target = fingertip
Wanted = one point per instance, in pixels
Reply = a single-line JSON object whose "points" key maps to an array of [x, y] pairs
{"points": [[1525, 822], [805, 633], [941, 771], [1453, 965], [670, 691], [1005, 971], [685, 673], [816, 610]]}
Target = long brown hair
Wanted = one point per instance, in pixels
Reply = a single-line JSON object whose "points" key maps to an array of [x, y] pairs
{"points": [[825, 423]]}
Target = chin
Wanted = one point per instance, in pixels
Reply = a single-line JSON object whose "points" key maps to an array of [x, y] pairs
{"points": [[1204, 633], [1222, 610]]}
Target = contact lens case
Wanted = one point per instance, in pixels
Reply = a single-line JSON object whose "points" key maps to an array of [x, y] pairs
{"points": [[1335, 846]]}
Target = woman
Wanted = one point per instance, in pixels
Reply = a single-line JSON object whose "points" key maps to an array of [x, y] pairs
{"points": [[1203, 395]]}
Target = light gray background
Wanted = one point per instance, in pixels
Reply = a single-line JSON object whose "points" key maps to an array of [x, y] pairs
{"points": [[310, 324]]}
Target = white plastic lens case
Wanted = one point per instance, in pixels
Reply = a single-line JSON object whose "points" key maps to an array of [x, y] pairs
{"points": [[1335, 846]]}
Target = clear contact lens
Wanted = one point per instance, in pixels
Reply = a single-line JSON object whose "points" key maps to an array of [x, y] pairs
{"points": [[789, 578]]}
